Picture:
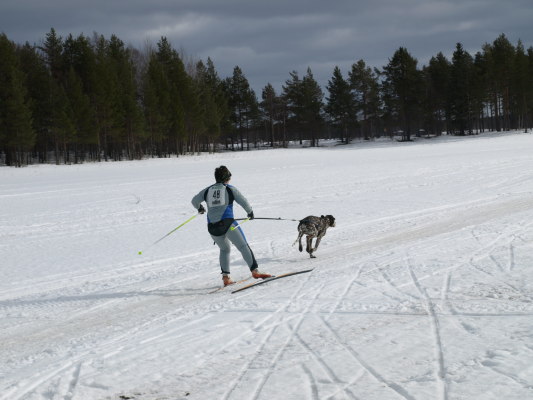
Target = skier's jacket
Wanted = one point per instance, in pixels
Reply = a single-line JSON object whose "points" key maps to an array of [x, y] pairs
{"points": [[219, 198]]}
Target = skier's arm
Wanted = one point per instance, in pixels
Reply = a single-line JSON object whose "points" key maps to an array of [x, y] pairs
{"points": [[241, 200], [198, 199]]}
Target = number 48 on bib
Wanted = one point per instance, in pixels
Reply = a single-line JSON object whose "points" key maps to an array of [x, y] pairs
{"points": [[216, 197]]}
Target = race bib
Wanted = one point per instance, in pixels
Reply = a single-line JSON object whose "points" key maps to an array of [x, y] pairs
{"points": [[216, 196]]}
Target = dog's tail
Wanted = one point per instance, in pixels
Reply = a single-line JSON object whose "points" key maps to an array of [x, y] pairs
{"points": [[299, 238], [299, 234], [296, 241]]}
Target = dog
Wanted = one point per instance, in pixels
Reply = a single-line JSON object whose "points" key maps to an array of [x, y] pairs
{"points": [[313, 227]]}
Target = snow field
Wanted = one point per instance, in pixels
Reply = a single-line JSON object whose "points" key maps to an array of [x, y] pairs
{"points": [[422, 290]]}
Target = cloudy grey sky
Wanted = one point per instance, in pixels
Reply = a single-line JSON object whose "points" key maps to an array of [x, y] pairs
{"points": [[270, 38]]}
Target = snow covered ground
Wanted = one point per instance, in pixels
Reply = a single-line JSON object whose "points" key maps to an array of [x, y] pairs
{"points": [[423, 290]]}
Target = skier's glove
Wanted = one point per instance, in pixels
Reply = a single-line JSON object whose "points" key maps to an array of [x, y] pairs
{"points": [[251, 215], [201, 209]]}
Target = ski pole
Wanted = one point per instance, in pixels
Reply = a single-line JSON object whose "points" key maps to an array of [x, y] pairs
{"points": [[243, 220], [172, 231], [276, 219]]}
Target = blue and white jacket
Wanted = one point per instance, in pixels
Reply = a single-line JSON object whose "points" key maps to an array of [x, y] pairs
{"points": [[219, 199]]}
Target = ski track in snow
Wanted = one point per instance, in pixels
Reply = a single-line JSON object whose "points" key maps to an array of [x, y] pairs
{"points": [[422, 290], [435, 328]]}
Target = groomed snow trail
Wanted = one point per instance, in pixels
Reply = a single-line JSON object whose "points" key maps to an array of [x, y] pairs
{"points": [[423, 290]]}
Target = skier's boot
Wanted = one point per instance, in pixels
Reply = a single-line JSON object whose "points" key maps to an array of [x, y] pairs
{"points": [[227, 280], [259, 275]]}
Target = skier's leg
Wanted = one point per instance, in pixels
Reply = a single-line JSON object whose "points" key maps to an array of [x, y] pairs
{"points": [[225, 248], [238, 239]]}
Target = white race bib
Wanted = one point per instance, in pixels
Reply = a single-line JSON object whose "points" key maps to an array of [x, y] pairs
{"points": [[216, 196]]}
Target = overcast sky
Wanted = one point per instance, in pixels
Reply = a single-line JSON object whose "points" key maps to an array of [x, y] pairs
{"points": [[271, 38]]}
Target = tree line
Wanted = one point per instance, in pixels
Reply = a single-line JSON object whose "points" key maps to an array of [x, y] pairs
{"points": [[77, 99]]}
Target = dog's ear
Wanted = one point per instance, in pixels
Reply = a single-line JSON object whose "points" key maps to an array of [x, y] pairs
{"points": [[321, 216]]}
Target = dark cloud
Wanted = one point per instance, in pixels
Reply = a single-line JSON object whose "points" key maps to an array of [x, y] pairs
{"points": [[270, 39]]}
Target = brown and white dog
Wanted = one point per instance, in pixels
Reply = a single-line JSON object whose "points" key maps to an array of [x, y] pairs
{"points": [[313, 227]]}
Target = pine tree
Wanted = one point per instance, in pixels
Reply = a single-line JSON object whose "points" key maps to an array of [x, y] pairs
{"points": [[53, 50], [79, 114], [195, 126], [128, 111], [293, 98], [304, 101], [59, 59], [216, 86], [437, 98], [17, 136], [503, 55], [499, 58], [313, 106], [269, 109], [521, 87], [105, 94], [83, 78], [364, 86], [155, 102], [62, 128], [529, 84], [38, 84], [208, 107], [165, 89], [243, 105], [478, 91], [183, 105], [461, 90], [402, 87], [340, 104]]}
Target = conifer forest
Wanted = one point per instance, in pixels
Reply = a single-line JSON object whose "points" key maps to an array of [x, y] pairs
{"points": [[84, 98]]}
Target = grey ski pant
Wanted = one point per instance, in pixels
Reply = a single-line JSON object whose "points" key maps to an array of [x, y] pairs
{"points": [[239, 241]]}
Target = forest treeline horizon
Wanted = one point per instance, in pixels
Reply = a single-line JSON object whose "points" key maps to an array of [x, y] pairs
{"points": [[81, 98]]}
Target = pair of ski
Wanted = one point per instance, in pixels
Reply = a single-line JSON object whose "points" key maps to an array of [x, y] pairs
{"points": [[263, 281]]}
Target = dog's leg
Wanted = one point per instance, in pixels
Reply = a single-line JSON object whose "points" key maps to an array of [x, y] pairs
{"points": [[318, 239], [309, 248]]}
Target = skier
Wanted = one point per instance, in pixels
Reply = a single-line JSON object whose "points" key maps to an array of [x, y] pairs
{"points": [[219, 199]]}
